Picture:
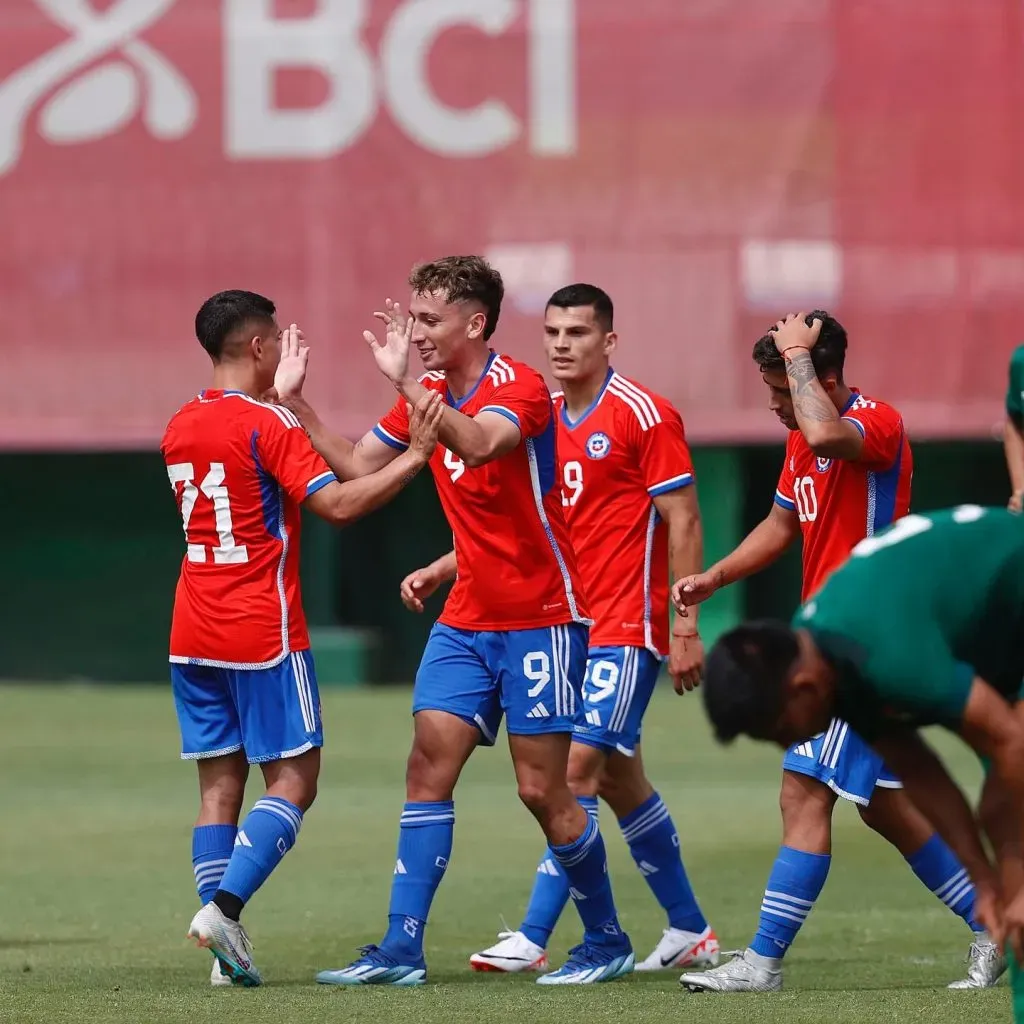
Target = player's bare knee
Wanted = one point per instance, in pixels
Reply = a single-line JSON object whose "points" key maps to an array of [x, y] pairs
{"points": [[806, 806], [585, 770], [430, 774]]}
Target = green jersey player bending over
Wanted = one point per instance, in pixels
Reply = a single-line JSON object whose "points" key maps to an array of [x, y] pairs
{"points": [[923, 625]]}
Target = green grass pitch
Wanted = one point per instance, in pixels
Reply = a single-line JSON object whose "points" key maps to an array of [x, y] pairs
{"points": [[96, 885]]}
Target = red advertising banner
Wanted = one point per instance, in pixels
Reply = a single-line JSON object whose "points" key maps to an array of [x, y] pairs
{"points": [[711, 163]]}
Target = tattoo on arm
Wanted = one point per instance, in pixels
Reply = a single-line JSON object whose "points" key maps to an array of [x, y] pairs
{"points": [[810, 401]]}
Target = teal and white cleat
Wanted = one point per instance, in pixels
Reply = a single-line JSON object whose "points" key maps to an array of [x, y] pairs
{"points": [[229, 943], [375, 967], [589, 964]]}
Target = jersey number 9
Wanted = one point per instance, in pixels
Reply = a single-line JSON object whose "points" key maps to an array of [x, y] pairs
{"points": [[572, 475]]}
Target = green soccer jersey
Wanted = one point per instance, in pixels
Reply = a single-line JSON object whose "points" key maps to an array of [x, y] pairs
{"points": [[1015, 388], [917, 612]]}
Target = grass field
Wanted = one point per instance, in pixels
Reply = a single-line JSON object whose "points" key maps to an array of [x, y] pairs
{"points": [[96, 882]]}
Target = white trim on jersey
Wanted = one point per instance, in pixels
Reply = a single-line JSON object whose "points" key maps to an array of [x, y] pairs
{"points": [[286, 416], [639, 401], [652, 525], [432, 375], [538, 501], [500, 372]]}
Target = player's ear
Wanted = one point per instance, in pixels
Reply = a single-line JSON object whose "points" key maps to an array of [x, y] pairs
{"points": [[477, 323], [611, 340]]}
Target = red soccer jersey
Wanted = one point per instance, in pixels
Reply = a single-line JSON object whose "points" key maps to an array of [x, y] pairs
{"points": [[516, 567], [239, 470], [624, 451], [839, 503]]}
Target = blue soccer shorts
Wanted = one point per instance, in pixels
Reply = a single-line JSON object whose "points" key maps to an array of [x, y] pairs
{"points": [[843, 761], [533, 677], [617, 688], [270, 713]]}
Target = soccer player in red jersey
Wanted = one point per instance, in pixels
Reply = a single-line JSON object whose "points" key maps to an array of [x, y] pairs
{"points": [[512, 637], [631, 506], [846, 474], [241, 671]]}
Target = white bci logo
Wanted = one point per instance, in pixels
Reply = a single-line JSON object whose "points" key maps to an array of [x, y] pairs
{"points": [[96, 99], [105, 75]]}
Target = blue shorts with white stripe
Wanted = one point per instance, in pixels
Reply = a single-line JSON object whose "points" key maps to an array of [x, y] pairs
{"points": [[618, 687], [269, 713], [532, 677], [846, 764]]}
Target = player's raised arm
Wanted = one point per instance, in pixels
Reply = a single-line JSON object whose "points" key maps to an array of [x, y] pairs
{"points": [[828, 434], [344, 503], [765, 543], [475, 439], [347, 460]]}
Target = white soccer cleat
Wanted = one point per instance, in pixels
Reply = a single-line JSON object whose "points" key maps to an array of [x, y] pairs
{"points": [[512, 953], [218, 979], [229, 943], [985, 965], [682, 949], [736, 975]]}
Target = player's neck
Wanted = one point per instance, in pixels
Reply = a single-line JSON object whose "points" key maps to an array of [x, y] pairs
{"points": [[233, 377], [580, 395], [841, 396], [463, 378]]}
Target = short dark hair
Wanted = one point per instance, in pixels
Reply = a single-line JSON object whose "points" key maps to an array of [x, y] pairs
{"points": [[463, 279], [828, 354], [223, 314], [573, 295], [745, 676]]}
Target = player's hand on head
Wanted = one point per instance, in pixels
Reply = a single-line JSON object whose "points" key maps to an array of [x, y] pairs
{"points": [[793, 332], [392, 355], [417, 587], [424, 423], [686, 657], [291, 370]]}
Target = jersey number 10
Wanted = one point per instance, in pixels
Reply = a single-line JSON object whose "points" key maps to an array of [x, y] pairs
{"points": [[212, 487], [805, 498]]}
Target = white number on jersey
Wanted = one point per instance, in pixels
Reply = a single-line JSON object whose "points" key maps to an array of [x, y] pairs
{"points": [[806, 499], [227, 552], [453, 464], [572, 474], [911, 526], [537, 668], [601, 680]]}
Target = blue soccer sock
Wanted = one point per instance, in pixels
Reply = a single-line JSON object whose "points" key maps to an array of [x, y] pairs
{"points": [[796, 881], [211, 851], [550, 891], [586, 867], [267, 834], [654, 844], [936, 865], [424, 848]]}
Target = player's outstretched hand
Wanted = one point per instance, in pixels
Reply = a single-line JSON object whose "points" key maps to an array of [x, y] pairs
{"points": [[393, 356], [1016, 502], [686, 661], [693, 589], [417, 587], [793, 332], [291, 370], [424, 423]]}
